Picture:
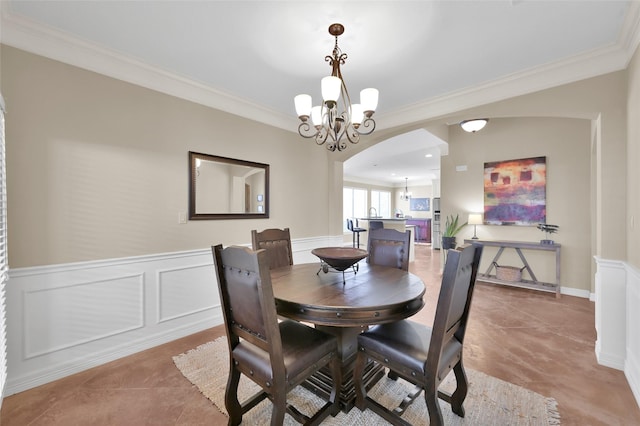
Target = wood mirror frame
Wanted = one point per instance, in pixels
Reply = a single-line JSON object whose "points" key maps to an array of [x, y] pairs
{"points": [[226, 188]]}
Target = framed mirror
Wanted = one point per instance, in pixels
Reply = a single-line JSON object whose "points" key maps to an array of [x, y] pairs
{"points": [[226, 188]]}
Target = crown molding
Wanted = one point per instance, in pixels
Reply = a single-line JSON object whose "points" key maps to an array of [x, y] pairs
{"points": [[597, 62], [593, 64], [54, 44], [57, 45]]}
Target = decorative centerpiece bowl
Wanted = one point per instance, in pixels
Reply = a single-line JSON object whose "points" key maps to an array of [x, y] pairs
{"points": [[339, 258]]}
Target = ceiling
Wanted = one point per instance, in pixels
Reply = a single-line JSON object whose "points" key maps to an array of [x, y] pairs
{"points": [[250, 58]]}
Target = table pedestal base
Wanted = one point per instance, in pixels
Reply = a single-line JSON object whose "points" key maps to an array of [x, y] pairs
{"points": [[320, 383]]}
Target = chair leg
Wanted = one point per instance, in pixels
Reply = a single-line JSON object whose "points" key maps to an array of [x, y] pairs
{"points": [[231, 397], [279, 407], [462, 386], [431, 398], [336, 376], [353, 237], [358, 370]]}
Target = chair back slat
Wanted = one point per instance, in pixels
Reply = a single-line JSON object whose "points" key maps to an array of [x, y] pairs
{"points": [[245, 301], [389, 247], [277, 243], [247, 296], [454, 302]]}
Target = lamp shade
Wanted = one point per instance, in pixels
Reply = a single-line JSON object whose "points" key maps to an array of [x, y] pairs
{"points": [[316, 115], [474, 125], [330, 86], [357, 114], [475, 219], [303, 105], [369, 99]]}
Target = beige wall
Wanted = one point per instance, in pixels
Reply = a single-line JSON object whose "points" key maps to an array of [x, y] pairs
{"points": [[601, 101], [633, 163], [98, 168], [566, 145]]}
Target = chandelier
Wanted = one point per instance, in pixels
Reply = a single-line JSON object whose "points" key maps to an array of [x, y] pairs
{"points": [[406, 195], [336, 116]]}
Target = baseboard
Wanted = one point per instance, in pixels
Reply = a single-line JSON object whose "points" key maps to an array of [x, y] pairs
{"points": [[576, 292], [632, 373], [608, 359]]}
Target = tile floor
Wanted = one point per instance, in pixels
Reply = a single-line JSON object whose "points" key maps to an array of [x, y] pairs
{"points": [[525, 337]]}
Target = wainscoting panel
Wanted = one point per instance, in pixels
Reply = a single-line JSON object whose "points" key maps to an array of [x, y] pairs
{"points": [[79, 313], [63, 319], [611, 320], [632, 361], [186, 291], [618, 319]]}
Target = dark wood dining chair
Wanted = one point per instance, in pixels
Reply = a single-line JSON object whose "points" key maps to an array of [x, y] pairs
{"points": [[277, 242], [424, 355], [389, 247], [278, 356]]}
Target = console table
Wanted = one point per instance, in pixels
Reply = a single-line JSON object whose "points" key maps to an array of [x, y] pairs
{"points": [[518, 246]]}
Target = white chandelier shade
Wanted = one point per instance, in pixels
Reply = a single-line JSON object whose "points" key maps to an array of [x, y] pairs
{"points": [[368, 102]]}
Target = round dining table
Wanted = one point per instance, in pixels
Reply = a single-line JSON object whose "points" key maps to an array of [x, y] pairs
{"points": [[369, 295]]}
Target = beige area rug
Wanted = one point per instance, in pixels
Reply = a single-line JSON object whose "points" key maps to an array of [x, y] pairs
{"points": [[490, 401]]}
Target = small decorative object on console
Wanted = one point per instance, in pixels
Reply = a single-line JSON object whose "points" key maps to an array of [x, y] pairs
{"points": [[547, 229]]}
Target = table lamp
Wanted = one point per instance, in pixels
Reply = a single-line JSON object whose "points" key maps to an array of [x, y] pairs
{"points": [[475, 219]]}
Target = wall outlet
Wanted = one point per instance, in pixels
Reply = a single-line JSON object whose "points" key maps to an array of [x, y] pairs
{"points": [[182, 218]]}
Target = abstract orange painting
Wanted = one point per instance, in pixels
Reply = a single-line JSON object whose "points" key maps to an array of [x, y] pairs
{"points": [[515, 192]]}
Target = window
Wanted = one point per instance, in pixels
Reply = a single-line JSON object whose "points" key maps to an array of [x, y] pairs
{"points": [[354, 204], [381, 201]]}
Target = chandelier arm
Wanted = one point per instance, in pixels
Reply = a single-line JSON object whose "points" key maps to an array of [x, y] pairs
{"points": [[321, 136], [306, 130], [367, 126], [352, 134]]}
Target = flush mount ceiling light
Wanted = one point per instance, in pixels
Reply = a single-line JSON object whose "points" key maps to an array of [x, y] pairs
{"points": [[335, 117], [474, 125]]}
